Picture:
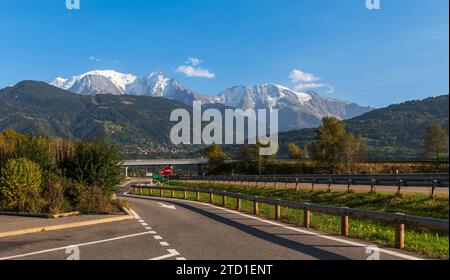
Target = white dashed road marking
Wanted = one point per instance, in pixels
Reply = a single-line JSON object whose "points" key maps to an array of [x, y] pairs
{"points": [[172, 252]]}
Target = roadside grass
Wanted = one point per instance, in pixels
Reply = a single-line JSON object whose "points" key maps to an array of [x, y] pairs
{"points": [[418, 240]]}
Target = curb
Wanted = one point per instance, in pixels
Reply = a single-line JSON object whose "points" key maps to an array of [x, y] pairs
{"points": [[65, 226]]}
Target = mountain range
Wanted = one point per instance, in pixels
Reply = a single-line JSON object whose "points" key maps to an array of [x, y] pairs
{"points": [[140, 124], [297, 110]]}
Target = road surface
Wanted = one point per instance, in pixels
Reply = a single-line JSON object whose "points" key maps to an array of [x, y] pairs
{"points": [[169, 229]]}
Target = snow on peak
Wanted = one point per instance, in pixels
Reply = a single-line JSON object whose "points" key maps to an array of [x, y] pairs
{"points": [[119, 79]]}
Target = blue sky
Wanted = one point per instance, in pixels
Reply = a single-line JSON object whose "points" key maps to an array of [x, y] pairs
{"points": [[339, 48]]}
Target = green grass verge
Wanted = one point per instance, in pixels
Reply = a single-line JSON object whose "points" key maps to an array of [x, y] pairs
{"points": [[423, 241]]}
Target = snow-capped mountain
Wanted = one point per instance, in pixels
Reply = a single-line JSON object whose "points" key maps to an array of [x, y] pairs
{"points": [[119, 80], [296, 109], [261, 96]]}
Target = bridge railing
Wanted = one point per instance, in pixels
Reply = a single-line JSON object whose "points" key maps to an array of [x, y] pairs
{"points": [[398, 220], [432, 181]]}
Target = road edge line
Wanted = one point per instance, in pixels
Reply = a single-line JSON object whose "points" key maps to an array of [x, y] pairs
{"points": [[65, 226]]}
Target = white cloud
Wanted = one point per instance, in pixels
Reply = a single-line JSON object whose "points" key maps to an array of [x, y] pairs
{"points": [[193, 69], [93, 58], [194, 61], [198, 72], [301, 86], [300, 76], [305, 81]]}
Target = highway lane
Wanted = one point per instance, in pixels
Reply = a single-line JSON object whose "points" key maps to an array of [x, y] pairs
{"points": [[171, 229], [202, 232], [125, 240]]}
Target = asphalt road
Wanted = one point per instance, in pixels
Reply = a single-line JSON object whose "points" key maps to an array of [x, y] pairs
{"points": [[169, 229]]}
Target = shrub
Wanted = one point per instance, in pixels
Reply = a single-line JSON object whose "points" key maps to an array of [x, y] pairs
{"points": [[95, 163], [94, 201], [20, 185], [54, 195]]}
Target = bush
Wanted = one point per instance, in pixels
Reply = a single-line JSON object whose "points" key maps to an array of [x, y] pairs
{"points": [[95, 163], [54, 195], [94, 201], [20, 185]]}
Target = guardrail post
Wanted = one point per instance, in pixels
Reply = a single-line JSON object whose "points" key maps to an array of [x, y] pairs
{"points": [[184, 194], [306, 218], [285, 185], [433, 187], [400, 235], [344, 226], [329, 184], [197, 196], [296, 184], [399, 188], [349, 185], [224, 200], [172, 193], [255, 208], [313, 184], [161, 192], [238, 204], [277, 212], [211, 198], [372, 185]]}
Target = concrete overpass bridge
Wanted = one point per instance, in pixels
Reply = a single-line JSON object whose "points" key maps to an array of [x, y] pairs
{"points": [[165, 162]]}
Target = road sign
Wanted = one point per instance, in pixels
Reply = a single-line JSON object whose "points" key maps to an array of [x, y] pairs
{"points": [[168, 170], [161, 172]]}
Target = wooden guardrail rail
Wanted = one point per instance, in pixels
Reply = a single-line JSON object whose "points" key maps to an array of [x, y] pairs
{"points": [[398, 220]]}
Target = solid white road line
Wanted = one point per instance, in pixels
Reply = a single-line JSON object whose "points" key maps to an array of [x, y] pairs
{"points": [[136, 215], [164, 243], [336, 239], [76, 245], [172, 253], [181, 259], [157, 237]]}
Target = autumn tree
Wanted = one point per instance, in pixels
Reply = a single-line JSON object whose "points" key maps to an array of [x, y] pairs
{"points": [[216, 157], [334, 148], [327, 145], [295, 152], [435, 143], [352, 151]]}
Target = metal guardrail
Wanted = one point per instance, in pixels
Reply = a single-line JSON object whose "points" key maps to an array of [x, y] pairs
{"points": [[432, 181], [399, 220]]}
